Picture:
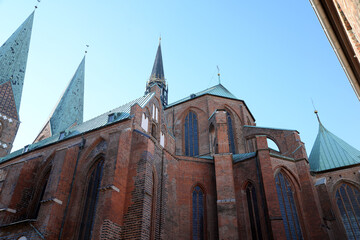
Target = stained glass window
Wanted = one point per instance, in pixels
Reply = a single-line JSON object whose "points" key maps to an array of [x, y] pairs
{"points": [[191, 135], [230, 134], [288, 207], [253, 212], [91, 201], [348, 202], [198, 214]]}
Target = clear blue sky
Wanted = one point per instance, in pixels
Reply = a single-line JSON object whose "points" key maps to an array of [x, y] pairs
{"points": [[273, 55]]}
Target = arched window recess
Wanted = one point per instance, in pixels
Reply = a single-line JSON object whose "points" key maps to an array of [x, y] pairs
{"points": [[198, 213], [288, 208], [191, 138], [347, 198], [92, 193]]}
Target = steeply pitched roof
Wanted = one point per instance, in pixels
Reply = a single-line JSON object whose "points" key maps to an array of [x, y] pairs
{"points": [[157, 72], [217, 90], [120, 113], [70, 108], [13, 58], [330, 152]]}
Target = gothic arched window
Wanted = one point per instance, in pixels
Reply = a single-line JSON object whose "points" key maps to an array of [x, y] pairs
{"points": [[230, 134], [91, 201], [253, 212], [191, 135], [198, 219], [287, 207], [348, 199]]}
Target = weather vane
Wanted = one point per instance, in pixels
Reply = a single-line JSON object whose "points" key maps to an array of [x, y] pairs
{"points": [[315, 111], [36, 6], [87, 46]]}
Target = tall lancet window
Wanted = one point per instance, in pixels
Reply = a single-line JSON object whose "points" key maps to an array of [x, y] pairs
{"points": [[288, 207], [191, 135], [348, 200], [230, 134], [198, 214], [253, 212], [91, 201]]}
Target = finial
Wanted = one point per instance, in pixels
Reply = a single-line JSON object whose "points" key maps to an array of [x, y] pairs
{"points": [[36, 6], [87, 46], [315, 111], [317, 115], [218, 73], [160, 39]]}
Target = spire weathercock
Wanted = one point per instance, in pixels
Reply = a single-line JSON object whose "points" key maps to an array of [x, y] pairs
{"points": [[157, 76]]}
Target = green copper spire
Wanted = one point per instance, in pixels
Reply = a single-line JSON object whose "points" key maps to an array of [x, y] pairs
{"points": [[69, 110], [13, 59], [331, 152]]}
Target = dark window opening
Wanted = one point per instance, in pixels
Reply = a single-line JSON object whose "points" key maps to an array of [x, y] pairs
{"points": [[153, 130], [288, 207], [91, 201], [253, 212], [26, 149], [198, 214], [191, 135], [111, 117], [348, 201], [230, 134], [62, 135]]}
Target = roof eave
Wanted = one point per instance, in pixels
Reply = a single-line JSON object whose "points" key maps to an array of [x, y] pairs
{"points": [[332, 25]]}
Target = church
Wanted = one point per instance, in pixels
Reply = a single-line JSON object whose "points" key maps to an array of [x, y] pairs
{"points": [[197, 168]]}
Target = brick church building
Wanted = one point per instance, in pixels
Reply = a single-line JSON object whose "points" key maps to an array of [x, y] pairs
{"points": [[198, 168]]}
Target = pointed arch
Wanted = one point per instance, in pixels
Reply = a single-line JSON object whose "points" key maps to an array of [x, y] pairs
{"points": [[231, 133], [191, 134], [347, 199], [41, 183], [285, 192], [253, 210], [198, 222], [92, 193]]}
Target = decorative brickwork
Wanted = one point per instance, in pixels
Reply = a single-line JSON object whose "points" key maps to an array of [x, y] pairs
{"points": [[110, 230], [7, 101]]}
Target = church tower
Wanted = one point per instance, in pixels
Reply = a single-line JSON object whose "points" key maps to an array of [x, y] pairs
{"points": [[13, 59], [157, 77]]}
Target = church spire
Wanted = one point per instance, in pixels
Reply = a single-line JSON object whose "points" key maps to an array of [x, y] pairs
{"points": [[158, 77], [13, 59], [69, 110], [157, 73]]}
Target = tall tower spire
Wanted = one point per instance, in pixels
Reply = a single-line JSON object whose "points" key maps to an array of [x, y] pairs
{"points": [[70, 109], [158, 77], [13, 59]]}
